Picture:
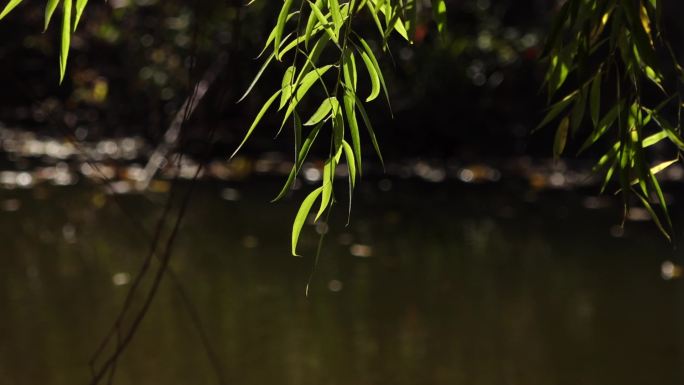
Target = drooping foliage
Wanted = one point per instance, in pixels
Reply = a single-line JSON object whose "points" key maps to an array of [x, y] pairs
{"points": [[606, 59], [610, 66]]}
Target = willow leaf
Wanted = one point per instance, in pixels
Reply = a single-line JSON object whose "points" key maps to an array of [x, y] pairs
{"points": [[440, 12], [303, 153], [595, 99], [287, 86], [561, 137], [323, 19], [257, 77], [351, 162], [49, 11], [350, 112], [256, 121], [80, 6], [9, 7], [310, 23], [323, 111], [307, 81], [280, 27], [66, 38], [373, 74], [369, 127], [300, 218], [371, 56]]}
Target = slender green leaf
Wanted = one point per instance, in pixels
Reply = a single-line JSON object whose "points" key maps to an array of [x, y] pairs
{"points": [[280, 26], [49, 10], [369, 127], [595, 99], [351, 163], [287, 86], [307, 81], [256, 121], [310, 23], [322, 18], [371, 56], [66, 38], [440, 14], [323, 111], [257, 77], [9, 7], [303, 153], [300, 218], [561, 137], [556, 109], [80, 6], [372, 73], [350, 111]]}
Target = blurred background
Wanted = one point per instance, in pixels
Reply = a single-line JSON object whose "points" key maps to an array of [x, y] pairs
{"points": [[473, 258]]}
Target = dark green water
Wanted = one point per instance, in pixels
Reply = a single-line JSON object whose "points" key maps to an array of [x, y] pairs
{"points": [[463, 286]]}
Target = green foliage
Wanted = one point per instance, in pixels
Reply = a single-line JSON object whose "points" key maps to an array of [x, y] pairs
{"points": [[606, 54], [69, 24], [329, 66]]}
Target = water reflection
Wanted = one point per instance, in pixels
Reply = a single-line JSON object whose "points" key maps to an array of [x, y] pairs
{"points": [[434, 291]]}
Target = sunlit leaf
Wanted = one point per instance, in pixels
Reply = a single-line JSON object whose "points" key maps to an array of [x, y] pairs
{"points": [[372, 73], [287, 85], [307, 81], [323, 111], [440, 13], [50, 7], [300, 218], [301, 156], [9, 7], [80, 6], [66, 38], [280, 26]]}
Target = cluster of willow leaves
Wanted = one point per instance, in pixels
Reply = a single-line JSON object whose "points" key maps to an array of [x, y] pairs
{"points": [[602, 57]]}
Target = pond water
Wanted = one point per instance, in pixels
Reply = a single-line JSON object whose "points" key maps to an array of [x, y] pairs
{"points": [[430, 284]]}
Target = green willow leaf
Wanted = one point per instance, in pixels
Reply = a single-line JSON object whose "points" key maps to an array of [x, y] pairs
{"points": [[49, 11], [280, 27], [372, 73], [556, 109], [257, 77], [328, 180], [371, 56], [350, 112], [287, 86], [256, 121], [349, 69], [66, 38], [322, 18], [323, 111], [300, 218], [303, 153], [9, 7], [336, 15], [653, 214], [604, 124], [351, 162], [440, 13], [369, 127], [310, 23], [80, 6], [561, 137], [307, 81], [595, 99]]}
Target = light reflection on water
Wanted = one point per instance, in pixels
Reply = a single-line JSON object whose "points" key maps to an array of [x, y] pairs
{"points": [[465, 285]]}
